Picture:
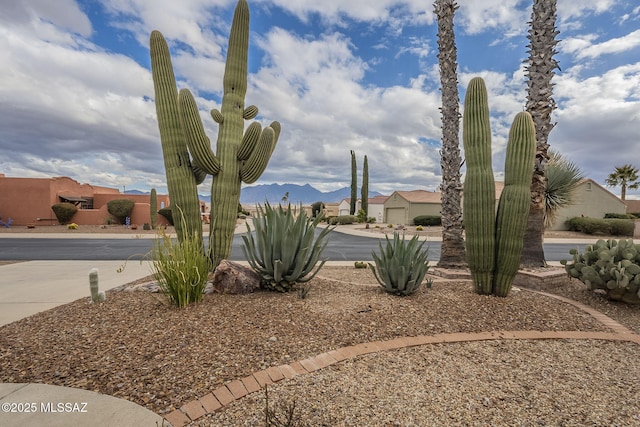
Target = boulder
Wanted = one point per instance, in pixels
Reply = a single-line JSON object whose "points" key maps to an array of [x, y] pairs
{"points": [[232, 278]]}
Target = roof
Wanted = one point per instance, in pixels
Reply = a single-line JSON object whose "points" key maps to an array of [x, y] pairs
{"points": [[633, 206], [377, 200], [420, 196]]}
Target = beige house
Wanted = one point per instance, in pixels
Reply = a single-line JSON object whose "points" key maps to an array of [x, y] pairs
{"points": [[402, 206], [591, 200], [376, 207]]}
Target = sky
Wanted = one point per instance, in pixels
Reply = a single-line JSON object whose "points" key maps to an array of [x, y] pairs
{"points": [[77, 100]]}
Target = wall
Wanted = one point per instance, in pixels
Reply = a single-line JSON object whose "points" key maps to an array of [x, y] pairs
{"points": [[29, 201], [591, 200]]}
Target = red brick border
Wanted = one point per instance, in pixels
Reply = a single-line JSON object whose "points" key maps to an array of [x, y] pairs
{"points": [[237, 389]]}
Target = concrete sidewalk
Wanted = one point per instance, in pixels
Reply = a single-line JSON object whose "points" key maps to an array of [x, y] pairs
{"points": [[29, 287]]}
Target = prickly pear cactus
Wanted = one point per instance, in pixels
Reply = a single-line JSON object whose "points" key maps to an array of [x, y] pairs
{"points": [[611, 265]]}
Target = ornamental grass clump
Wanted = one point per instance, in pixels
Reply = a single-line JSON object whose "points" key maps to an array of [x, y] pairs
{"points": [[181, 268], [401, 266], [284, 249]]}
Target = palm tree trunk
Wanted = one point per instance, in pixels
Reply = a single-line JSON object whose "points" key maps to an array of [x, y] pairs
{"points": [[453, 250], [540, 104]]}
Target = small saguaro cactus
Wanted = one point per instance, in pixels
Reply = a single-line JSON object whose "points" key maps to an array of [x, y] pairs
{"points": [[153, 208], [96, 295]]}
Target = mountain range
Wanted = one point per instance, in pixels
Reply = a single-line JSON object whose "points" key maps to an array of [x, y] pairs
{"points": [[274, 193]]}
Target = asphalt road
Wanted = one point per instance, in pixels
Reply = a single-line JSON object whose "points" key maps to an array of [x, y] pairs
{"points": [[341, 247]]}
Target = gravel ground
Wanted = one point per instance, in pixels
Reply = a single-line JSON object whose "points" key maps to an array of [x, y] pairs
{"points": [[134, 346]]}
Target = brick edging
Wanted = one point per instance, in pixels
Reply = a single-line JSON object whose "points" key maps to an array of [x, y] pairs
{"points": [[237, 389]]}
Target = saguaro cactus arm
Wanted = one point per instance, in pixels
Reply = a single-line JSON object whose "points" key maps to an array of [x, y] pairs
{"points": [[196, 138], [259, 157]]}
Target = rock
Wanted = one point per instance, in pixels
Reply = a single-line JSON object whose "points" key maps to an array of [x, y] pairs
{"points": [[232, 278]]}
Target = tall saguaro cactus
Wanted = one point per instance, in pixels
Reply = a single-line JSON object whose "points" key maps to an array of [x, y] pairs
{"points": [[241, 156], [494, 244], [182, 177], [479, 187], [513, 209]]}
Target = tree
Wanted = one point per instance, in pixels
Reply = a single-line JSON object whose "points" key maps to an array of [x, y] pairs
{"points": [[364, 191], [354, 185], [453, 249], [540, 104], [625, 176], [563, 177]]}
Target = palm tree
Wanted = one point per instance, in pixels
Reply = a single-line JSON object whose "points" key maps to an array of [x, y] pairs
{"points": [[453, 251], [540, 104], [563, 177], [625, 176]]}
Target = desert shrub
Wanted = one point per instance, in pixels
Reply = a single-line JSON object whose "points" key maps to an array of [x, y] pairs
{"points": [[146, 226], [120, 209], [587, 225], [419, 228], [619, 216], [181, 268], [401, 266], [64, 211], [283, 250], [72, 226], [317, 209], [427, 220], [343, 220], [611, 265], [167, 214]]}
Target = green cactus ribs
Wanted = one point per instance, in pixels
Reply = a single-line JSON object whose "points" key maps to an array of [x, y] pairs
{"points": [[240, 156], [494, 243]]}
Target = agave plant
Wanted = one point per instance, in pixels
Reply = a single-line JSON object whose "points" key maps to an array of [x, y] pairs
{"points": [[284, 249], [401, 266]]}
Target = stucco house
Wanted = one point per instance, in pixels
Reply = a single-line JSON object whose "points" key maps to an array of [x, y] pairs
{"points": [[376, 207], [28, 201], [402, 206], [591, 200], [345, 205]]}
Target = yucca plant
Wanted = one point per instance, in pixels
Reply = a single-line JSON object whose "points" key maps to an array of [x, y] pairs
{"points": [[563, 177], [401, 266], [180, 267], [284, 249]]}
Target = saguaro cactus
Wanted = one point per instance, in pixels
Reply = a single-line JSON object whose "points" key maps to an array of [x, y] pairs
{"points": [[494, 244], [96, 295], [153, 208], [182, 177], [513, 209], [479, 187], [239, 157]]}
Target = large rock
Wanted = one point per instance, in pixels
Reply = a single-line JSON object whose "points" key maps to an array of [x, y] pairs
{"points": [[232, 278]]}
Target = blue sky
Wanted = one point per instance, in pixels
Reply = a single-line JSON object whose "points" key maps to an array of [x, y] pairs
{"points": [[76, 95]]}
